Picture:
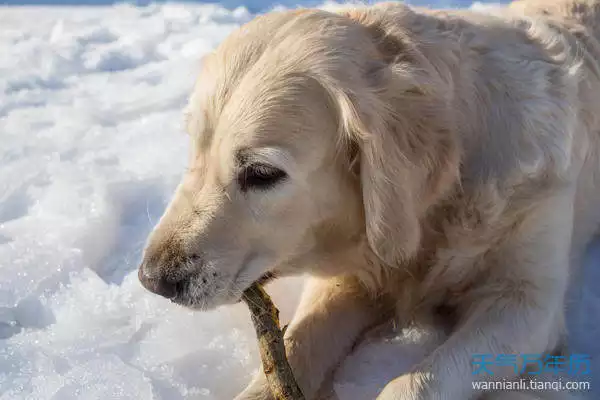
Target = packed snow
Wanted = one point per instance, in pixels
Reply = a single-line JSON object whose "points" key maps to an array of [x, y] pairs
{"points": [[92, 147]]}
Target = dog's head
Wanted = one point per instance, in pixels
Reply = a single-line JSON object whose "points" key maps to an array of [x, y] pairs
{"points": [[307, 151]]}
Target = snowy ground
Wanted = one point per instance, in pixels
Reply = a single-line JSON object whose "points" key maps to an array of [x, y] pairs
{"points": [[91, 149]]}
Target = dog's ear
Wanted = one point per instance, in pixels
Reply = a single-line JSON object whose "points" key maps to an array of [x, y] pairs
{"points": [[389, 183], [408, 160], [402, 123]]}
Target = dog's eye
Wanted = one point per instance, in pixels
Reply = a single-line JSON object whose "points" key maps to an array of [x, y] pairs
{"points": [[260, 176]]}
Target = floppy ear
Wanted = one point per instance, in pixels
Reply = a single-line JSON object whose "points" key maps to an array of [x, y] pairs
{"points": [[389, 189], [408, 160], [402, 124]]}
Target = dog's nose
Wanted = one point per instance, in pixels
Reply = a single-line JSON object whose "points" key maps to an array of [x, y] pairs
{"points": [[158, 286]]}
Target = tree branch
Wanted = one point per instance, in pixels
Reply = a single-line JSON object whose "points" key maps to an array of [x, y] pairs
{"points": [[265, 317]]}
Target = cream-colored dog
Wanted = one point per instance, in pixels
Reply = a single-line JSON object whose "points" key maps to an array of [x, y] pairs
{"points": [[442, 165]]}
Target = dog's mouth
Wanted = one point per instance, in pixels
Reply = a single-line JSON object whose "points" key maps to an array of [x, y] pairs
{"points": [[263, 280], [266, 278], [198, 298]]}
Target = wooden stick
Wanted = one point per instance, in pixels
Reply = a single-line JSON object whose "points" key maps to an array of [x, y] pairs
{"points": [[265, 317]]}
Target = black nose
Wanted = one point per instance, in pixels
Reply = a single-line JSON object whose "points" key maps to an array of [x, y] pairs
{"points": [[158, 286]]}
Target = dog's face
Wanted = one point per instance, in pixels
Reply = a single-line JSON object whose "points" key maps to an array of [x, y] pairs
{"points": [[265, 193], [280, 113]]}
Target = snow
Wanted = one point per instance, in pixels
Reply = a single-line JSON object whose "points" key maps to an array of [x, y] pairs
{"points": [[91, 149]]}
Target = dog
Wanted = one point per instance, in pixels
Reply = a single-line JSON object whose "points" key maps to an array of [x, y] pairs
{"points": [[441, 168]]}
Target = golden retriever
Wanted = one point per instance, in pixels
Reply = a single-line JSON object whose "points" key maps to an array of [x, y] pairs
{"points": [[439, 166]]}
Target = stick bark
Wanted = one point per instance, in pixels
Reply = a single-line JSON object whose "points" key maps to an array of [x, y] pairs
{"points": [[265, 317]]}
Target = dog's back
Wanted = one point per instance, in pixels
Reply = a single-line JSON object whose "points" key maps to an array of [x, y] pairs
{"points": [[581, 18]]}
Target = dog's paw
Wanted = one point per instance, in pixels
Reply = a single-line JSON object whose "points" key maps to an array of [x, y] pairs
{"points": [[411, 386], [258, 389], [255, 393]]}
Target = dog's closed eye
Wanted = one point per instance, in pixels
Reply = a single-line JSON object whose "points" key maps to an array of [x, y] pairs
{"points": [[259, 176]]}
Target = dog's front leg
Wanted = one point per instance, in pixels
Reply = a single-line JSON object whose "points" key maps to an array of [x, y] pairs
{"points": [[331, 315], [515, 309]]}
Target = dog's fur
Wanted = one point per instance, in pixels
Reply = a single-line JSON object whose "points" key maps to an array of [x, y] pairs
{"points": [[440, 164]]}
